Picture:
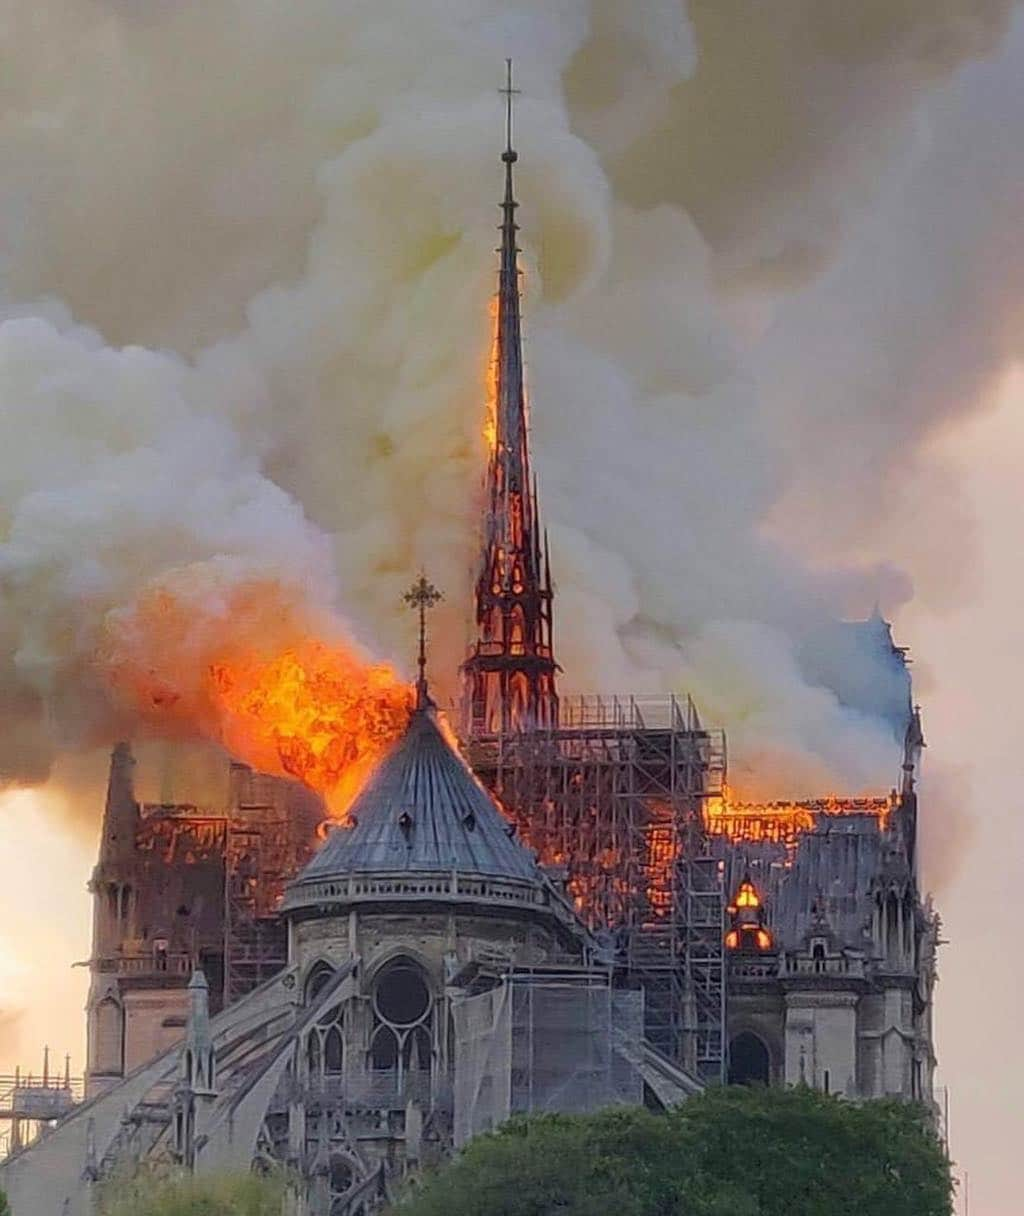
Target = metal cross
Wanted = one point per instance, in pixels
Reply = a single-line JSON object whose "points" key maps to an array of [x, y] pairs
{"points": [[423, 596], [508, 92]]}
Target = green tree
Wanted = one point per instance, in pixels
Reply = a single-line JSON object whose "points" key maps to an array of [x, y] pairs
{"points": [[183, 1195], [5, 1207], [730, 1152]]}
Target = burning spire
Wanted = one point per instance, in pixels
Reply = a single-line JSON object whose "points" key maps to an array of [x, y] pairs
{"points": [[510, 673]]}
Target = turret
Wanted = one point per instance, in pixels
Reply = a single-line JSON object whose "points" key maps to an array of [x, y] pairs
{"points": [[121, 813], [197, 1083], [114, 880]]}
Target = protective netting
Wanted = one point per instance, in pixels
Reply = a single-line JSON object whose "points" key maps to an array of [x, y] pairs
{"points": [[543, 1042]]}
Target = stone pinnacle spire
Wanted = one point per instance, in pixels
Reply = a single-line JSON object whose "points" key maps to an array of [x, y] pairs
{"points": [[510, 673]]}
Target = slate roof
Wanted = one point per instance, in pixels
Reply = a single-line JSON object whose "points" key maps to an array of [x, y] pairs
{"points": [[834, 865], [423, 812]]}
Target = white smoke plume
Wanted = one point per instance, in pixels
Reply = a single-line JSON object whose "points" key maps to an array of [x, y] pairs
{"points": [[247, 255]]}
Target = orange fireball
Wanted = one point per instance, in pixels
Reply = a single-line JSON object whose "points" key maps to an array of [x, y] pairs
{"points": [[314, 711], [244, 664]]}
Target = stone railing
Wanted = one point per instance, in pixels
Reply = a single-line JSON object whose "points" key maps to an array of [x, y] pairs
{"points": [[836, 965], [454, 887], [150, 963], [382, 1089]]}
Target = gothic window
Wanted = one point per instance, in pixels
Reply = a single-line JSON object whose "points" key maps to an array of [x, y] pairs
{"points": [[325, 1042], [517, 631], [818, 955], [384, 1049], [416, 1051], [403, 1021], [313, 1053], [334, 1053], [317, 981], [894, 928], [749, 1062], [519, 696]]}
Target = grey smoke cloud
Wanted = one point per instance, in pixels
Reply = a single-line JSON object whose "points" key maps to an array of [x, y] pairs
{"points": [[290, 210]]}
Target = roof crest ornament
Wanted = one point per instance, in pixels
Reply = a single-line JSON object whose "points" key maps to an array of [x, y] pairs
{"points": [[423, 596]]}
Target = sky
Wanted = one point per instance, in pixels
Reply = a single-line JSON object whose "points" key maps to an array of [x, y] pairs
{"points": [[773, 280], [976, 660]]}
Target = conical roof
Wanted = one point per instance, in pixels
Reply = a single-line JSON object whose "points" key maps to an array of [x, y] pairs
{"points": [[422, 816]]}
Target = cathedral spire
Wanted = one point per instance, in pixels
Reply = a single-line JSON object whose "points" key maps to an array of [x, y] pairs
{"points": [[510, 673]]}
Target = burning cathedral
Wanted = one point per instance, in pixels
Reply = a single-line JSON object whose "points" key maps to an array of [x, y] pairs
{"points": [[552, 906]]}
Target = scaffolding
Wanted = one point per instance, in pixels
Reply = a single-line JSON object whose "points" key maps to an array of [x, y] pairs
{"points": [[255, 938], [29, 1104], [612, 799], [273, 829]]}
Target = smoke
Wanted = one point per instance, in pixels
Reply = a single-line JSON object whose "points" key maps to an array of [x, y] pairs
{"points": [[247, 256]]}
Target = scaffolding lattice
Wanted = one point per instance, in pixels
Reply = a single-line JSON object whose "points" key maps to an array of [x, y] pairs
{"points": [[255, 939], [614, 795]]}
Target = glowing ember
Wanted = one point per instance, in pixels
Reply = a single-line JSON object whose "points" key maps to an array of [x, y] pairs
{"points": [[783, 823], [316, 712]]}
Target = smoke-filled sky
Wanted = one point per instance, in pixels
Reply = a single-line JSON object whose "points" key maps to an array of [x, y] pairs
{"points": [[773, 270]]}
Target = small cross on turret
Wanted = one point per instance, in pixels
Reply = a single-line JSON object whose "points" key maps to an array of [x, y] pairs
{"points": [[423, 596]]}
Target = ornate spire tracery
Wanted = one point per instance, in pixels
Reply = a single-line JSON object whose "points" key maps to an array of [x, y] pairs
{"points": [[510, 673]]}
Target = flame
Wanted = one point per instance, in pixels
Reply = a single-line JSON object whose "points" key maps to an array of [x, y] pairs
{"points": [[490, 430], [242, 661], [316, 712], [783, 823]]}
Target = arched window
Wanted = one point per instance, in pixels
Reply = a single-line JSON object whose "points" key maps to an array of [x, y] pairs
{"points": [[416, 1051], [334, 1052], [517, 631], [317, 981], [749, 1062], [384, 1049], [325, 1043], [818, 955], [313, 1053], [403, 1017]]}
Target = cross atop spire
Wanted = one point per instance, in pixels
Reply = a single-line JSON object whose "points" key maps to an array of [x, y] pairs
{"points": [[509, 156], [423, 596]]}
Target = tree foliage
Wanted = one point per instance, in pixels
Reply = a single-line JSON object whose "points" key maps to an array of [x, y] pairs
{"points": [[5, 1207], [184, 1195], [730, 1152]]}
